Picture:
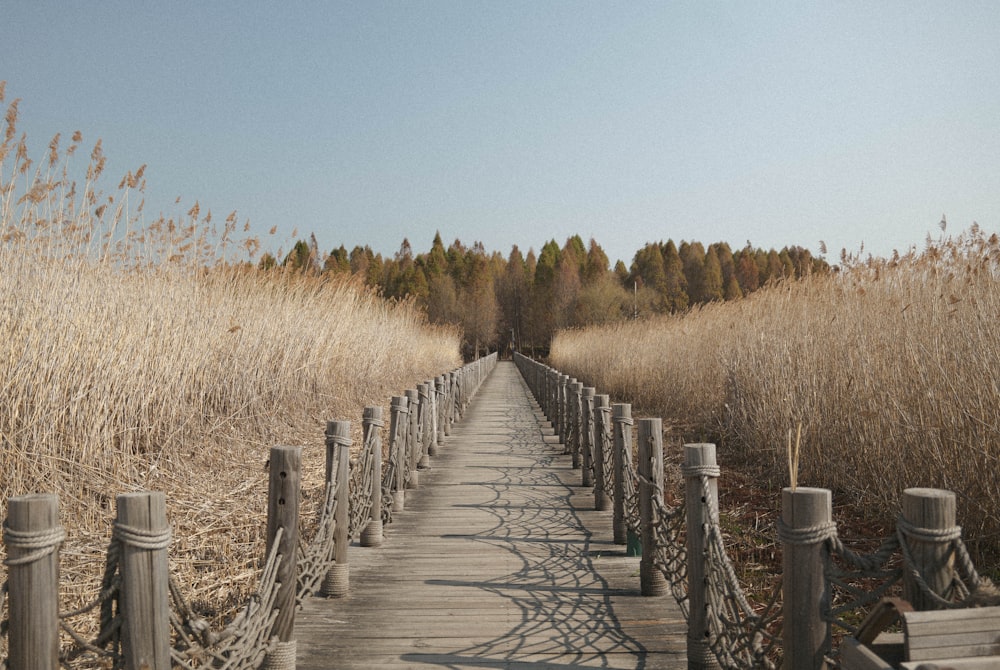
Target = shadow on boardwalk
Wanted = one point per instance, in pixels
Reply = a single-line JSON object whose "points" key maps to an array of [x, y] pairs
{"points": [[498, 562]]}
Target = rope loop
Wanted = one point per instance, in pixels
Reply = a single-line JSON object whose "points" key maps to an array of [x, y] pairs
{"points": [[692, 471], [816, 534], [928, 534], [341, 440], [140, 538], [40, 543], [372, 421], [624, 420]]}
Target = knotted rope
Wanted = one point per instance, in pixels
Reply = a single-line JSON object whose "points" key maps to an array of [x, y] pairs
{"points": [[150, 540], [694, 471], [40, 543]]}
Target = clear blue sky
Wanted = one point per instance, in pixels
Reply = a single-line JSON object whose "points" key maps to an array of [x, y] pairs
{"points": [[518, 122]]}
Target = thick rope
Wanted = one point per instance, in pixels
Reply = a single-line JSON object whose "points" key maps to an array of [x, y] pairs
{"points": [[816, 534], [928, 534], [141, 539], [40, 543], [281, 656], [692, 471]]}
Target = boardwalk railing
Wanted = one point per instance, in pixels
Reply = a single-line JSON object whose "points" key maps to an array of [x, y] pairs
{"points": [[144, 620], [683, 549]]}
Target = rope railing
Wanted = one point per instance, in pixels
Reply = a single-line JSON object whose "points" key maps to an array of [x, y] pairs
{"points": [[144, 619], [792, 625]]}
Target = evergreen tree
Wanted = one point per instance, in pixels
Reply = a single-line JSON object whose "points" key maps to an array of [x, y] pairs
{"points": [[512, 297], [713, 287], [621, 272], [733, 291], [676, 297], [338, 262], [300, 258], [437, 260], [596, 264], [747, 272], [693, 259]]}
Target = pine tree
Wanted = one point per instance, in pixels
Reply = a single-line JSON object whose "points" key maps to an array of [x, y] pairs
{"points": [[713, 277], [676, 291], [596, 264], [693, 258]]}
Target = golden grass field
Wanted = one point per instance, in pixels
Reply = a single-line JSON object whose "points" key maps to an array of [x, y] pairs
{"points": [[138, 355], [892, 368]]}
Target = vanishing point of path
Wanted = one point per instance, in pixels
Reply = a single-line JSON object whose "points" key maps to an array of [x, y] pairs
{"points": [[498, 561]]}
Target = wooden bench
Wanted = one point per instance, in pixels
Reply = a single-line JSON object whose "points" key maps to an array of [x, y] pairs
{"points": [[961, 639]]}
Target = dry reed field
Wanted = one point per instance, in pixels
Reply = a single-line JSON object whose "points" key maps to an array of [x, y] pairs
{"points": [[141, 356], [891, 368]]}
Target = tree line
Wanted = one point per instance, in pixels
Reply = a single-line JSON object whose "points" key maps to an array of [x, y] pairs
{"points": [[520, 300]]}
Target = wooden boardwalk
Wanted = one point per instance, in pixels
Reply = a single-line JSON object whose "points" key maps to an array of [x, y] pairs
{"points": [[499, 561]]}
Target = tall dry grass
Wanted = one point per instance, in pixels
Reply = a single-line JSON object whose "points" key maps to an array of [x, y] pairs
{"points": [[138, 356], [892, 367]]}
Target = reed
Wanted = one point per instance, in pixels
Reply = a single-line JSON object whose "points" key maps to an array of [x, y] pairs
{"points": [[889, 365], [156, 356]]}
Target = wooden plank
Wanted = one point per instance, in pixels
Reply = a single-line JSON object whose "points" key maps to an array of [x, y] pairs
{"points": [[856, 656], [499, 560], [959, 633], [984, 663]]}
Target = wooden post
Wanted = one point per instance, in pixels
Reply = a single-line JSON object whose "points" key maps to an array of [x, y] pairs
{"points": [[398, 423], [701, 497], [650, 467], [563, 410], [431, 420], [587, 435], [142, 531], [553, 382], [446, 403], [283, 512], [543, 398], [453, 401], [602, 419], [575, 430], [622, 418], [806, 635], [423, 424], [336, 582], [439, 427], [32, 535], [413, 447], [372, 533], [928, 516]]}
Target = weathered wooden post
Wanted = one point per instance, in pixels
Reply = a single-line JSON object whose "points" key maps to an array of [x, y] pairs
{"points": [[32, 536], [622, 418], [336, 582], [701, 479], [398, 423], [563, 410], [283, 513], [441, 385], [602, 421], [413, 447], [575, 430], [929, 526], [461, 397], [423, 426], [372, 533], [587, 435], [806, 525], [650, 467], [456, 392], [430, 419], [546, 391], [552, 411], [143, 534]]}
